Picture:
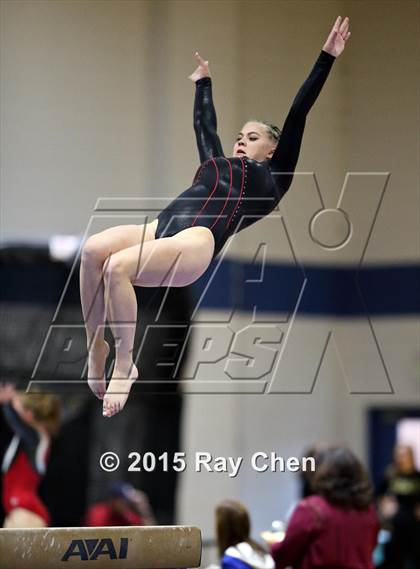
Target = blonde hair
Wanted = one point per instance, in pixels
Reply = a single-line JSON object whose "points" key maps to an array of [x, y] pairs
{"points": [[273, 131], [45, 407]]}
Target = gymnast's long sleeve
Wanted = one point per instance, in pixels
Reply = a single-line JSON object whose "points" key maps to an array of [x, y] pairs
{"points": [[27, 434], [285, 157], [205, 121]]}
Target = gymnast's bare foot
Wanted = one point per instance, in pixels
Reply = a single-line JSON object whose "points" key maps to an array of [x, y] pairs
{"points": [[96, 368], [119, 387]]}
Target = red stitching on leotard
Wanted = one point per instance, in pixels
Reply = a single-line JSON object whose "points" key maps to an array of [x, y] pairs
{"points": [[227, 199], [212, 192], [198, 174], [240, 195]]}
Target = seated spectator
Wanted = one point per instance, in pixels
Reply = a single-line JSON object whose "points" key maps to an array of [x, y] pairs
{"points": [[399, 505], [337, 526], [125, 506], [236, 548]]}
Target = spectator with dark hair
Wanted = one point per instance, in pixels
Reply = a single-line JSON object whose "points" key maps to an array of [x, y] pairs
{"points": [[337, 526], [315, 450], [237, 549], [125, 506], [399, 505]]}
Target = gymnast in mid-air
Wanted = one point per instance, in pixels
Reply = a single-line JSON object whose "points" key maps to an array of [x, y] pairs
{"points": [[174, 250]]}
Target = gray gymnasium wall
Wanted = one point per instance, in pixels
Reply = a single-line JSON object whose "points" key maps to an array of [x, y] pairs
{"points": [[95, 97], [93, 94]]}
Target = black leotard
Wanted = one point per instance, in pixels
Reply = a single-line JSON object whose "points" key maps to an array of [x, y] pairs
{"points": [[229, 194]]}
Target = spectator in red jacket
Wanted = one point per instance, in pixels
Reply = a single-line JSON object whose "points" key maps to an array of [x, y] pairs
{"points": [[337, 526]]}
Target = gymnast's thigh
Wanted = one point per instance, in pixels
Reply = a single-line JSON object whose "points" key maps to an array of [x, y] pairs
{"points": [[166, 261], [22, 518], [194, 248], [120, 237]]}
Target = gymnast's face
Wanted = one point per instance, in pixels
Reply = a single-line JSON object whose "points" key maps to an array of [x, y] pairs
{"points": [[254, 142]]}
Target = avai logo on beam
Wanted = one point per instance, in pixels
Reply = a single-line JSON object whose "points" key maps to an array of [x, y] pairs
{"points": [[92, 549]]}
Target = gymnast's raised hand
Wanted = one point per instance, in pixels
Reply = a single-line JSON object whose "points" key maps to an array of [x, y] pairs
{"points": [[339, 34], [202, 69]]}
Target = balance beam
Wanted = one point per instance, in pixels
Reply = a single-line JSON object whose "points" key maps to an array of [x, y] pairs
{"points": [[132, 547]]}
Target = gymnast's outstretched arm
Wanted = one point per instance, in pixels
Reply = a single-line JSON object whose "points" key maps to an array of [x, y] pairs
{"points": [[18, 425], [286, 154], [205, 121], [13, 414]]}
